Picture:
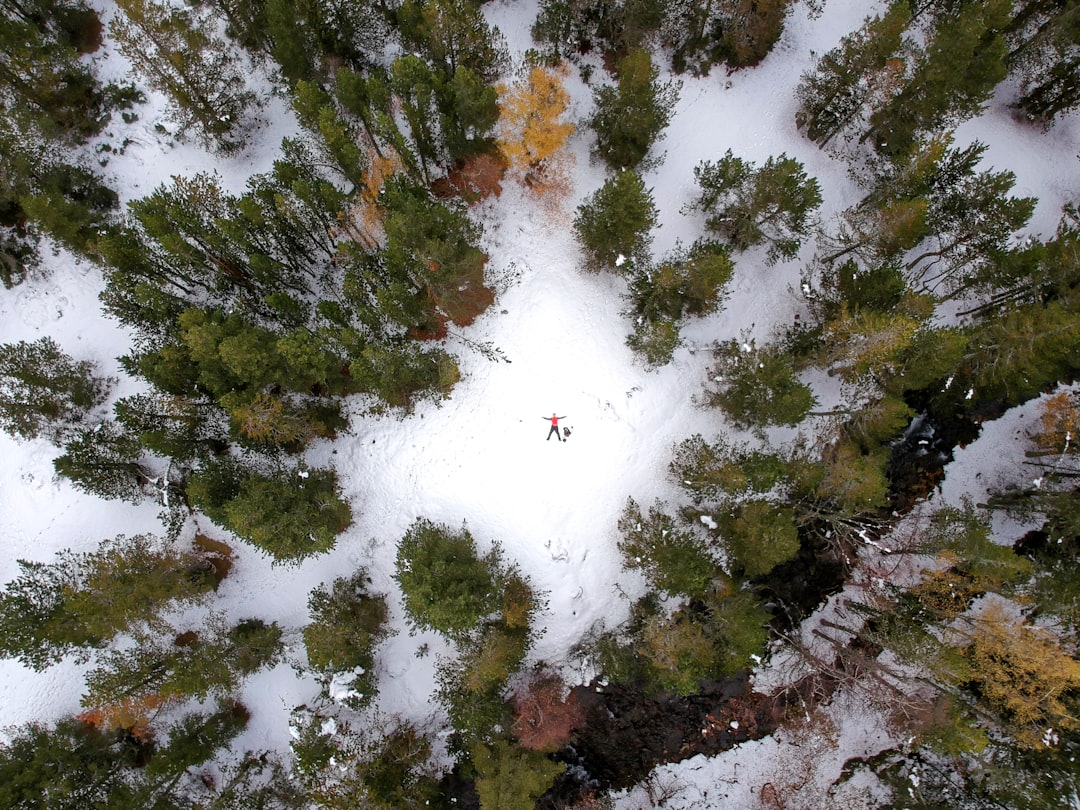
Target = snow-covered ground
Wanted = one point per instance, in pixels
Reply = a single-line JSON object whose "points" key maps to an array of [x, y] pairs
{"points": [[481, 457]]}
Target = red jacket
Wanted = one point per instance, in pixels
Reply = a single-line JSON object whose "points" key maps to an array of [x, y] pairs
{"points": [[553, 419]]}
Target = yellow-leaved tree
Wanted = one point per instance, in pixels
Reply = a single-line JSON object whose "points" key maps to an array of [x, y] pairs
{"points": [[363, 221], [1027, 676], [531, 131]]}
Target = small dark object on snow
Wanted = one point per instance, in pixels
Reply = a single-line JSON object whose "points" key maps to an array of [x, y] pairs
{"points": [[566, 432]]}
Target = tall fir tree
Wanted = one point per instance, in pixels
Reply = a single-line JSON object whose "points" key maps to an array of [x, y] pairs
{"points": [[82, 600], [758, 386], [447, 585], [174, 427], [613, 224], [47, 88], [434, 242], [43, 193], [178, 53], [748, 29], [346, 624], [107, 461], [43, 390], [414, 84], [210, 661], [468, 113], [512, 778], [630, 116], [835, 95], [452, 34], [1043, 50], [291, 514], [748, 205], [71, 765], [936, 95], [967, 218]]}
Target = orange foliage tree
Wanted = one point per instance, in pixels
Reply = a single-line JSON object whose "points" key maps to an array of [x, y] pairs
{"points": [[132, 715], [544, 715], [1059, 424], [531, 131], [366, 210]]}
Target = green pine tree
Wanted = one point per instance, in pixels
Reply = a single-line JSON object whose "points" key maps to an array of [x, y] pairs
{"points": [[174, 427], [1016, 355], [835, 94], [936, 95], [723, 473], [346, 624], [383, 768], [43, 390], [49, 89], [671, 557], [82, 601], [208, 662], [415, 84], [746, 205], [630, 116], [758, 386], [291, 43], [468, 111], [511, 778], [42, 191], [105, 460], [451, 34], [194, 740], [74, 765], [759, 535], [748, 30], [177, 52], [291, 514], [685, 283], [446, 584], [368, 98], [473, 687], [613, 224], [433, 245]]}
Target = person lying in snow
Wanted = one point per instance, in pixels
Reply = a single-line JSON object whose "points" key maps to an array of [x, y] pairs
{"points": [[554, 426]]}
